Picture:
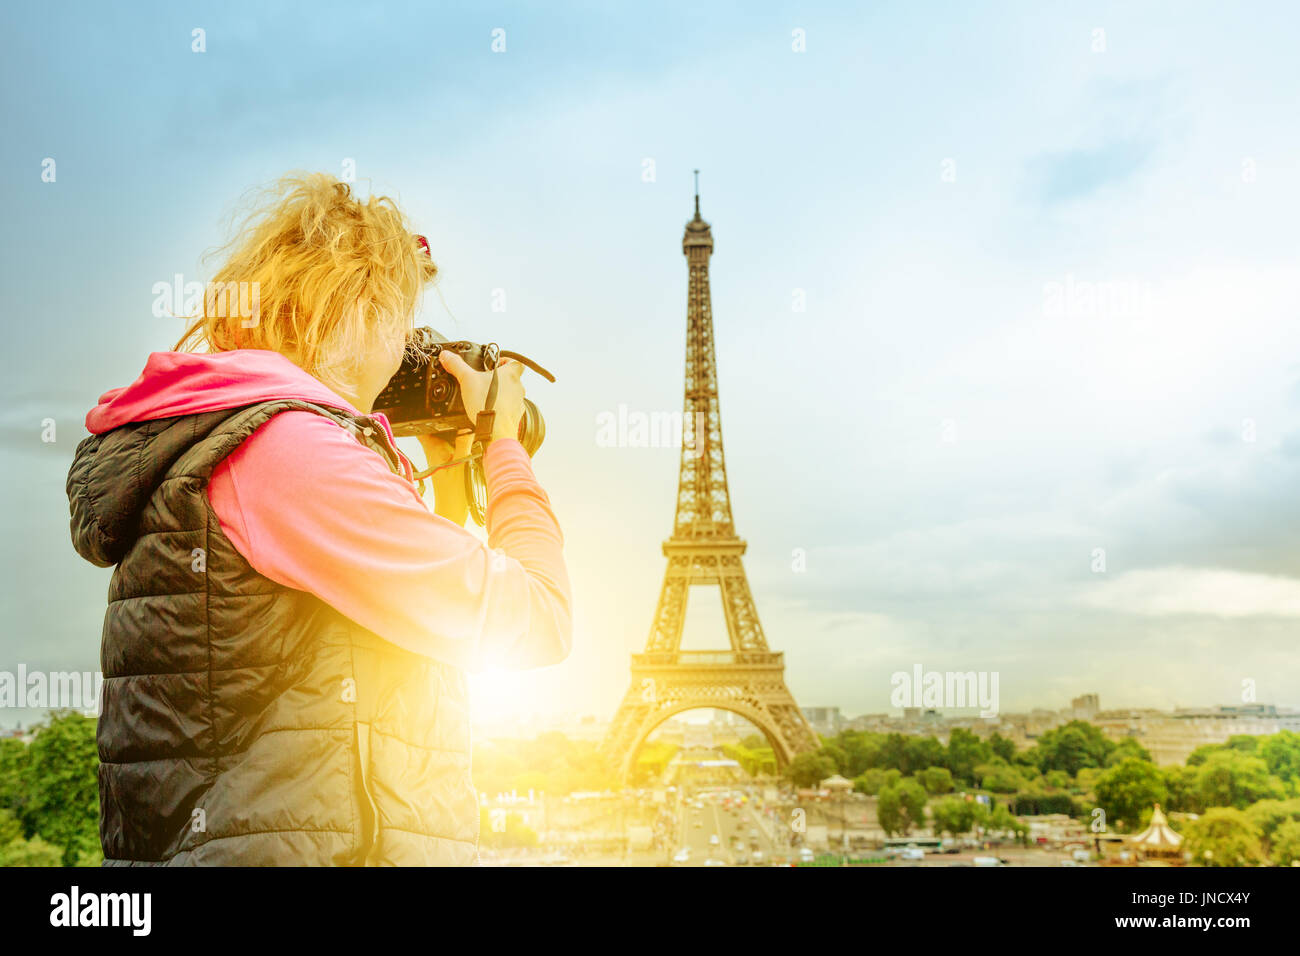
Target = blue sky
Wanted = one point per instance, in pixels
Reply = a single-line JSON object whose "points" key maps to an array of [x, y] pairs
{"points": [[1050, 290]]}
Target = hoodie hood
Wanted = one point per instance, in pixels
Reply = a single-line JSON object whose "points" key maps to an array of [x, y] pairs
{"points": [[139, 432], [189, 383]]}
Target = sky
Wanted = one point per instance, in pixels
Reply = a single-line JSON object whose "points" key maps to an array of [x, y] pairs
{"points": [[1005, 304]]}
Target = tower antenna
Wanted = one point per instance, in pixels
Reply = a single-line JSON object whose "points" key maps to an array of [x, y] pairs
{"points": [[697, 194]]}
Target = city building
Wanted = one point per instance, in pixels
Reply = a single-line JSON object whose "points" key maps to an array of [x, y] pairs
{"points": [[827, 721], [1169, 736]]}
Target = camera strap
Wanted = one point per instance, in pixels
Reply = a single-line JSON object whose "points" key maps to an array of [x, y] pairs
{"points": [[487, 417]]}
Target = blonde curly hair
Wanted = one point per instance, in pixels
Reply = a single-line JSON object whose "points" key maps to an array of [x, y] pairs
{"points": [[333, 279]]}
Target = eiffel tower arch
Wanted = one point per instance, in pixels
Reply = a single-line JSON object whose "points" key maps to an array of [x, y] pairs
{"points": [[748, 679]]}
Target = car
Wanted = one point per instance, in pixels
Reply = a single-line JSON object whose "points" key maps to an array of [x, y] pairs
{"points": [[758, 856], [713, 840], [683, 855], [714, 862], [806, 855], [912, 853], [986, 861]]}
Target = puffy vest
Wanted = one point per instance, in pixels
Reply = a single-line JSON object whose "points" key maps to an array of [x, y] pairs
{"points": [[244, 722]]}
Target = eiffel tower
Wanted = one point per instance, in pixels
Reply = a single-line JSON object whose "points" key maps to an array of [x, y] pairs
{"points": [[749, 679]]}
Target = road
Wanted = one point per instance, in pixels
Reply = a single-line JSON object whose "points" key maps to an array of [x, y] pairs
{"points": [[697, 827]]}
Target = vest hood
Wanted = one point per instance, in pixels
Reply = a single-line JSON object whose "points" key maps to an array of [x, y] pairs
{"points": [[139, 432]]}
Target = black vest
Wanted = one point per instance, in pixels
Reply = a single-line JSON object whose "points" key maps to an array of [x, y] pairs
{"points": [[244, 722]]}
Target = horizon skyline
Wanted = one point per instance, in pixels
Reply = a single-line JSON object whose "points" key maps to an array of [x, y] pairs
{"points": [[894, 713], [969, 334]]}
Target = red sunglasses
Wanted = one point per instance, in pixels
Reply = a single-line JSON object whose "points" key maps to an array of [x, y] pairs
{"points": [[424, 244]]}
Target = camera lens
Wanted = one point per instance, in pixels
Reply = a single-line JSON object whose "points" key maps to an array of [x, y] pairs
{"points": [[532, 428]]}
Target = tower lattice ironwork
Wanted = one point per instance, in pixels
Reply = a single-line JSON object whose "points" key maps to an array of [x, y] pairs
{"points": [[704, 550]]}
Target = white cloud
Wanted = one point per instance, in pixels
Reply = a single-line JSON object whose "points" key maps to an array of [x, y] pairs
{"points": [[1161, 592]]}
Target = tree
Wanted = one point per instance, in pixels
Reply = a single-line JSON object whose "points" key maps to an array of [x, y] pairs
{"points": [[900, 807], [13, 763], [509, 831], [1199, 755], [936, 780], [1032, 781], [872, 781], [1072, 747], [838, 758], [1001, 820], [1087, 778], [1180, 784], [60, 777], [1000, 778], [1285, 847], [893, 752], [1128, 747], [755, 761], [965, 753], [1223, 836], [954, 815], [1128, 791], [1268, 816], [17, 851], [1231, 778], [809, 769], [563, 765], [869, 781], [1003, 747], [864, 750], [1057, 779], [1281, 752], [922, 753]]}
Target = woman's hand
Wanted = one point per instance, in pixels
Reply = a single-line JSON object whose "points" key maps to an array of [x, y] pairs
{"points": [[509, 404]]}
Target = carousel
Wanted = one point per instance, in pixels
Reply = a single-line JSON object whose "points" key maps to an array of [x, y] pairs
{"points": [[1158, 844]]}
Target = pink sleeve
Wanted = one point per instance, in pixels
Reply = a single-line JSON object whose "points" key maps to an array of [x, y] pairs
{"points": [[311, 508]]}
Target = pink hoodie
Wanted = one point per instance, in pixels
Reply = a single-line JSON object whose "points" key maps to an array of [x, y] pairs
{"points": [[311, 508]]}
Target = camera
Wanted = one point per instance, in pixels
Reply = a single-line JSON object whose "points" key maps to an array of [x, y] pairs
{"points": [[423, 398]]}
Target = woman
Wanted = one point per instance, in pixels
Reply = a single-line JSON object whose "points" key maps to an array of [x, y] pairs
{"points": [[289, 627]]}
